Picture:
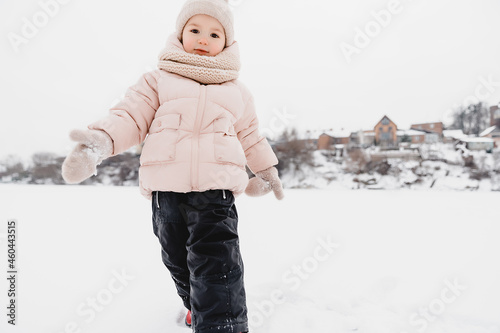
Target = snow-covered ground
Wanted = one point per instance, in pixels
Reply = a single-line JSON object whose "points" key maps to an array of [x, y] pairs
{"points": [[319, 261], [441, 167]]}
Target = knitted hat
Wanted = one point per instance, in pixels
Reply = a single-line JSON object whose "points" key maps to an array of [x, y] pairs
{"points": [[218, 9]]}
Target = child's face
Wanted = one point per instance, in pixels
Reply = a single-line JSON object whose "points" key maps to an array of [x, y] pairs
{"points": [[203, 35]]}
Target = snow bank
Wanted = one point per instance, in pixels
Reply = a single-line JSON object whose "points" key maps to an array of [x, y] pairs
{"points": [[441, 167]]}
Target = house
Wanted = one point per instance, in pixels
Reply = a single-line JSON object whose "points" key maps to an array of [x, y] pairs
{"points": [[308, 138], [493, 133], [495, 115], [411, 136], [363, 138], [386, 132], [429, 127], [333, 139], [325, 142], [422, 136], [452, 136], [478, 143]]}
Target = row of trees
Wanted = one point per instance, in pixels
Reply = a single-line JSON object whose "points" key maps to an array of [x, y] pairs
{"points": [[472, 119], [45, 168]]}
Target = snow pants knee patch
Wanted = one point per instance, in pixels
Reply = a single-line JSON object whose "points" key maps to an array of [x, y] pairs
{"points": [[217, 297]]}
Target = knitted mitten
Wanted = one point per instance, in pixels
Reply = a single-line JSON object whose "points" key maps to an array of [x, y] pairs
{"points": [[265, 181], [93, 147]]}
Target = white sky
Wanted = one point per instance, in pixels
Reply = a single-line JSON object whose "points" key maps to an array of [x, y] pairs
{"points": [[430, 57]]}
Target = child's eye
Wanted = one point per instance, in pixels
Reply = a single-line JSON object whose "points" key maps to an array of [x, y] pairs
{"points": [[214, 36], [195, 31]]}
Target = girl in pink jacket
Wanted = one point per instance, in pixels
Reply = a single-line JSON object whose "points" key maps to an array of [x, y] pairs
{"points": [[200, 130]]}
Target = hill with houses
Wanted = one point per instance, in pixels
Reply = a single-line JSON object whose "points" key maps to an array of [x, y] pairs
{"points": [[425, 156], [386, 157], [387, 135]]}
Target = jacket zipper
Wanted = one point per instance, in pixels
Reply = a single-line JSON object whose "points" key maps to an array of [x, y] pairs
{"points": [[157, 202], [196, 139], [223, 194]]}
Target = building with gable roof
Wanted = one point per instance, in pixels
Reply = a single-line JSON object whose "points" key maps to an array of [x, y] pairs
{"points": [[386, 132]]}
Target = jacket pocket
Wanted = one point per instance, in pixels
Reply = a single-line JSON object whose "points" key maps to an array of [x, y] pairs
{"points": [[227, 147], [160, 145]]}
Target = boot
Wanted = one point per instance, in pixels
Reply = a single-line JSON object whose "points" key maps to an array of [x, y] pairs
{"points": [[188, 319]]}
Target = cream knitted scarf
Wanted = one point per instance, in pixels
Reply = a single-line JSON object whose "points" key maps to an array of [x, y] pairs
{"points": [[204, 69]]}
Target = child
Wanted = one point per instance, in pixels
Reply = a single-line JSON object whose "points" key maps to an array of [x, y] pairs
{"points": [[200, 130]]}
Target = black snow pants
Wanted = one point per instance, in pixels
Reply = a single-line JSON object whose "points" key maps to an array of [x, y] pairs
{"points": [[200, 247]]}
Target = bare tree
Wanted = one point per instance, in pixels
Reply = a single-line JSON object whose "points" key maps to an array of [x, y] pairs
{"points": [[46, 168], [293, 152], [472, 119], [13, 168]]}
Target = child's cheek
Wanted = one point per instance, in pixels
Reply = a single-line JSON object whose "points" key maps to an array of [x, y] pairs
{"points": [[187, 46]]}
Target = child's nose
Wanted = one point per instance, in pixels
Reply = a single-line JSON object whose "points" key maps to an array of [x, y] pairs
{"points": [[203, 41]]}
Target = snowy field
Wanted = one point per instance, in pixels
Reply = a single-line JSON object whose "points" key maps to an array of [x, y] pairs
{"points": [[319, 261]]}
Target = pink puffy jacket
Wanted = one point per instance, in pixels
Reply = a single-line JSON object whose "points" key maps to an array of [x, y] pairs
{"points": [[197, 137]]}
